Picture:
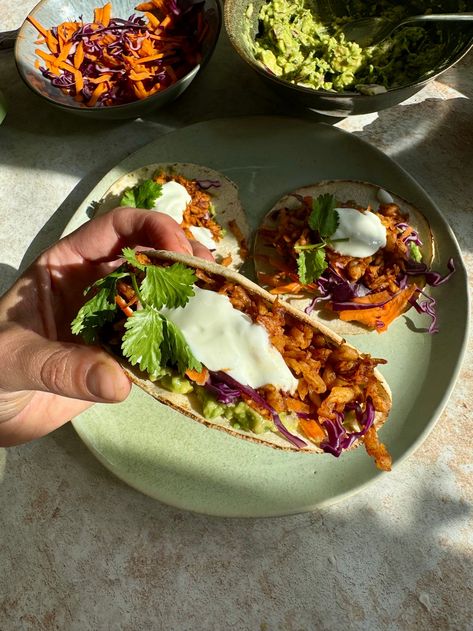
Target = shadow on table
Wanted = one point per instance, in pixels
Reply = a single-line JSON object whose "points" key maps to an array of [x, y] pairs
{"points": [[8, 276], [359, 564], [54, 227]]}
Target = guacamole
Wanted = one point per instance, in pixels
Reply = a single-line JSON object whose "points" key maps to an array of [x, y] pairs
{"points": [[295, 45], [239, 414]]}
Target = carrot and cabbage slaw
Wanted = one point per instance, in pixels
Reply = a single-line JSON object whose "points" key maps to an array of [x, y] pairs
{"points": [[113, 61]]}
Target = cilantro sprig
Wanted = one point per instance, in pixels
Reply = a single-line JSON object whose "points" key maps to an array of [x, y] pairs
{"points": [[151, 340], [99, 309], [323, 221], [142, 195], [324, 217]]}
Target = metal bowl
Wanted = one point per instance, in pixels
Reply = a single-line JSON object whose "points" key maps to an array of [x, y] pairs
{"points": [[242, 30], [52, 12]]}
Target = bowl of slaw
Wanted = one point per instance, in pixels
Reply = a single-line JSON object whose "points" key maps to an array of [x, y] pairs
{"points": [[118, 59]]}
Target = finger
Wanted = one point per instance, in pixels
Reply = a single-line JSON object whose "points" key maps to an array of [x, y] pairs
{"points": [[103, 238], [70, 370], [201, 251]]}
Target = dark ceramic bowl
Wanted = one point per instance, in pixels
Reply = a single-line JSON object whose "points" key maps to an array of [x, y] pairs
{"points": [[52, 12], [242, 30]]}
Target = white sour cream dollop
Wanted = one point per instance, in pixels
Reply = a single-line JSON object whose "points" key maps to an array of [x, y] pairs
{"points": [[363, 231], [223, 338], [173, 202], [204, 236]]}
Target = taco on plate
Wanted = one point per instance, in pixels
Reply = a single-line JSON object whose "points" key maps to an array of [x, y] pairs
{"points": [[204, 202], [221, 350], [348, 253]]}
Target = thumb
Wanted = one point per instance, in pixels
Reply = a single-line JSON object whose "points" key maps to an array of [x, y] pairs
{"points": [[70, 370]]}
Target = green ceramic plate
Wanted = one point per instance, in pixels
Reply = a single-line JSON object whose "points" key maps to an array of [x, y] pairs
{"points": [[182, 463]]}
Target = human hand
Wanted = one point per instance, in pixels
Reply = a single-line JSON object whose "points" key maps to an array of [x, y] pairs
{"points": [[47, 378]]}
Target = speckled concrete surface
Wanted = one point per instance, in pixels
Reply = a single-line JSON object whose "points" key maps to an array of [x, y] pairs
{"points": [[80, 550]]}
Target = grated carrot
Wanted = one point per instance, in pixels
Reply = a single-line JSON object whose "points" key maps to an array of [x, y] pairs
{"points": [[296, 405], [312, 430], [379, 318], [200, 378], [147, 53], [290, 288], [123, 306]]}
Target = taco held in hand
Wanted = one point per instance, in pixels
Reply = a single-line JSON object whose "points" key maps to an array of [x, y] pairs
{"points": [[221, 350], [348, 252]]}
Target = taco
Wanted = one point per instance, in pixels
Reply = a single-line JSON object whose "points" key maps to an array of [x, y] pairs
{"points": [[349, 254], [221, 350], [204, 202]]}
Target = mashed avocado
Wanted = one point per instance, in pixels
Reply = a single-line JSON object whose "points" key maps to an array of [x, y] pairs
{"points": [[174, 383], [239, 414], [296, 46]]}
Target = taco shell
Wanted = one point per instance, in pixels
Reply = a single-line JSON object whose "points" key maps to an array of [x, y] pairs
{"points": [[361, 193], [188, 405], [228, 207]]}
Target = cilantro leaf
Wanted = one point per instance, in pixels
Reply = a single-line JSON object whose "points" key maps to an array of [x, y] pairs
{"points": [[324, 218], [142, 195], [96, 312], [167, 286], [130, 257], [311, 264], [141, 342], [177, 349], [152, 341]]}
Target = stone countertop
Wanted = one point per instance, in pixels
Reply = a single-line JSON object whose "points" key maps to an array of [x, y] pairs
{"points": [[80, 550]]}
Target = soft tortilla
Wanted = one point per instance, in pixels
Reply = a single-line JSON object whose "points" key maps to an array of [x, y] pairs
{"points": [[188, 404], [228, 207], [362, 193]]}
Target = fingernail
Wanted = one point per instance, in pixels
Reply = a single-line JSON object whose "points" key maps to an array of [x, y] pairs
{"points": [[102, 381]]}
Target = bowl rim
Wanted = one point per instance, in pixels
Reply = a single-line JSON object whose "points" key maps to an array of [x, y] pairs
{"points": [[76, 107], [228, 8]]}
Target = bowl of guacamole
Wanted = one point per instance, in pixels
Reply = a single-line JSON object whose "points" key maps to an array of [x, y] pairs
{"points": [[309, 60]]}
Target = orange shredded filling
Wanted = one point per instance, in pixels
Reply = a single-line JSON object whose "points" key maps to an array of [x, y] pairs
{"points": [[330, 376], [198, 212], [378, 272]]}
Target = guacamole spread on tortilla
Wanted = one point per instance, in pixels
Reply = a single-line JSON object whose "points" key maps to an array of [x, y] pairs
{"points": [[295, 45]]}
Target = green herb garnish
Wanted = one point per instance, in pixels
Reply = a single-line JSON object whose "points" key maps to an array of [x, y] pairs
{"points": [[99, 309], [142, 195], [151, 340], [324, 217], [323, 220]]}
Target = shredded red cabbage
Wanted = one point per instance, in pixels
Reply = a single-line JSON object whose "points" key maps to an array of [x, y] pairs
{"points": [[341, 292], [206, 184], [356, 306], [257, 398], [331, 286], [110, 57], [434, 279], [413, 237], [223, 392], [426, 306], [338, 437]]}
